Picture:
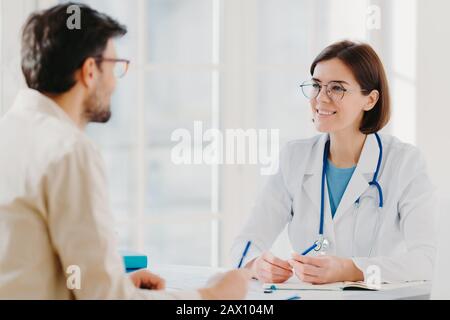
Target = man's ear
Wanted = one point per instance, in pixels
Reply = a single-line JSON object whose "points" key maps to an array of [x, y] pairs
{"points": [[88, 73], [372, 100]]}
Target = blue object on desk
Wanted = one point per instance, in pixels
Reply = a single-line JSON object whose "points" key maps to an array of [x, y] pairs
{"points": [[294, 298], [244, 254], [134, 261]]}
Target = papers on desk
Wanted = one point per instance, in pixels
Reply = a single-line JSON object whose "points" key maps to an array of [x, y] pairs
{"points": [[186, 277], [337, 286], [190, 278], [295, 284]]}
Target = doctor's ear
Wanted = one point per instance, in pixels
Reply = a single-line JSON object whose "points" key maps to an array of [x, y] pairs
{"points": [[372, 100]]}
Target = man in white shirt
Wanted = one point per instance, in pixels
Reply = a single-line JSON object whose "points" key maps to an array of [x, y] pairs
{"points": [[54, 206]]}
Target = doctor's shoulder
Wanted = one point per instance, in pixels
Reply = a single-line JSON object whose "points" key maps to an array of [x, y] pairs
{"points": [[295, 154], [404, 157]]}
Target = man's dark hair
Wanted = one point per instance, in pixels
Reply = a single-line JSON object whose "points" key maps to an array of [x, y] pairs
{"points": [[52, 52]]}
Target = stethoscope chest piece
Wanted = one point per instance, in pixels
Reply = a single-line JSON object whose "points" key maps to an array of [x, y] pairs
{"points": [[322, 245]]}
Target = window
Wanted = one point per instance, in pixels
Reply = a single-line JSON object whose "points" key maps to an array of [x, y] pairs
{"points": [[167, 211]]}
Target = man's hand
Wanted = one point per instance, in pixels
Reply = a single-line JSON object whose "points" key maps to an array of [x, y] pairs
{"points": [[144, 279], [324, 269], [268, 268], [232, 285]]}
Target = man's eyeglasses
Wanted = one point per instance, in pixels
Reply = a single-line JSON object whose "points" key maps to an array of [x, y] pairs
{"points": [[120, 65], [335, 90]]}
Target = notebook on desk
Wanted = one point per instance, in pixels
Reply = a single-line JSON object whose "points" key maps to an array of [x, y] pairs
{"points": [[294, 284], [336, 286]]}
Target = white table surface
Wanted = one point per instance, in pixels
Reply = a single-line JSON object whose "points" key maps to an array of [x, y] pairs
{"points": [[180, 277]]}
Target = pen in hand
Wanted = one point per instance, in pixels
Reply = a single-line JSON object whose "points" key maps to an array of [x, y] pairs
{"points": [[247, 247]]}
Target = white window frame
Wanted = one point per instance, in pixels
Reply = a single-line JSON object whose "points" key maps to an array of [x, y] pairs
{"points": [[140, 219]]}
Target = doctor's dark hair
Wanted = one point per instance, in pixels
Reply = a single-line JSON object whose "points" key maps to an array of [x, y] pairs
{"points": [[52, 52], [368, 71]]}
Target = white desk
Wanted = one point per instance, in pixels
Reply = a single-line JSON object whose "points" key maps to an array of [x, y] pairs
{"points": [[189, 277]]}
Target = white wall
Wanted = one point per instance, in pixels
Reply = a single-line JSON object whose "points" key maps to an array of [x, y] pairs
{"points": [[1, 56], [442, 276], [13, 15], [433, 116], [433, 71]]}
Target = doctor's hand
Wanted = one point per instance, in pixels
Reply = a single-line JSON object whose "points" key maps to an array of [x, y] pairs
{"points": [[324, 269], [232, 285], [268, 268], [143, 279]]}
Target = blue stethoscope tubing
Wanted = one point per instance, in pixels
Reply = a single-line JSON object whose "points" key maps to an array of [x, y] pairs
{"points": [[319, 243]]}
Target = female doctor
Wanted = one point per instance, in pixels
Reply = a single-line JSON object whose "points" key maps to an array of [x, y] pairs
{"points": [[355, 201]]}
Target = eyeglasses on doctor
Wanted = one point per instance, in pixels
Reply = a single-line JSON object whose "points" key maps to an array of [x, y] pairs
{"points": [[334, 90], [120, 65]]}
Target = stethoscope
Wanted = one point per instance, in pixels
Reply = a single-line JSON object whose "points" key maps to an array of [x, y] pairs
{"points": [[322, 244]]}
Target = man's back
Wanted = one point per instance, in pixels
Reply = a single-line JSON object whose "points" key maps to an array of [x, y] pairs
{"points": [[34, 136]]}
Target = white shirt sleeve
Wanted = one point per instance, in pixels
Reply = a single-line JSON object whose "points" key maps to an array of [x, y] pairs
{"points": [[81, 228]]}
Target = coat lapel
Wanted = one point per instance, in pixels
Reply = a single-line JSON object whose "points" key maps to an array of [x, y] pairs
{"points": [[313, 173], [357, 185], [362, 175]]}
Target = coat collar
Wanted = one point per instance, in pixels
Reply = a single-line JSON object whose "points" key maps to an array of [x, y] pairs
{"points": [[357, 185], [32, 100]]}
